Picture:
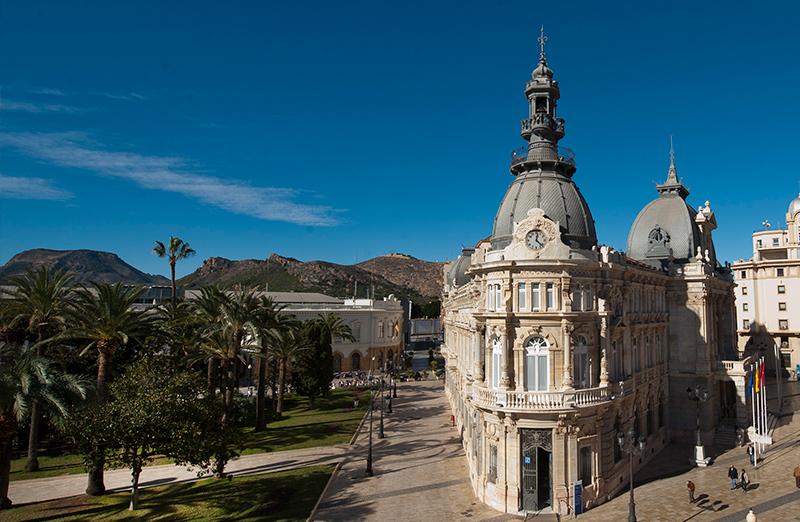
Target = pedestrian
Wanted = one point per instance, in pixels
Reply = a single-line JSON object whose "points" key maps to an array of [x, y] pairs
{"points": [[733, 475], [744, 480], [751, 452], [690, 487], [796, 475]]}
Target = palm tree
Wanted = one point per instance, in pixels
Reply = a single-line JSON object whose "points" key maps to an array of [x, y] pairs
{"points": [[176, 250], [287, 344], [104, 317], [26, 379], [41, 303], [272, 321], [207, 307]]}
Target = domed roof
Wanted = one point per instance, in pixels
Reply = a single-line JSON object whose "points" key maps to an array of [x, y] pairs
{"points": [[666, 223], [457, 275], [561, 201], [794, 206]]}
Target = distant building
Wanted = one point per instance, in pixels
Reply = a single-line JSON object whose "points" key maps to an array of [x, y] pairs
{"points": [[554, 344], [768, 296]]}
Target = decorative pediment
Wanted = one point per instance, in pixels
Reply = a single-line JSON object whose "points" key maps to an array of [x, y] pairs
{"points": [[536, 237]]}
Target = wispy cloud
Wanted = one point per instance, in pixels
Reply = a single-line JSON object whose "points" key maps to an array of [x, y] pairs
{"points": [[171, 174], [8, 105], [31, 188], [119, 96], [54, 92]]}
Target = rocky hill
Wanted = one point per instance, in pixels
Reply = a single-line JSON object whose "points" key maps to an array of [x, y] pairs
{"points": [[398, 274], [84, 265]]}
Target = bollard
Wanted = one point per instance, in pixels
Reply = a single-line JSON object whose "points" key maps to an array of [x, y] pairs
{"points": [[751, 517]]}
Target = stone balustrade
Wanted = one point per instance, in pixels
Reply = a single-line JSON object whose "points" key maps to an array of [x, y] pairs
{"points": [[539, 401]]}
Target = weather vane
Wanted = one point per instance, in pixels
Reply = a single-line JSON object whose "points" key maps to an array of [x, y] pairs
{"points": [[671, 149], [766, 224], [542, 39]]}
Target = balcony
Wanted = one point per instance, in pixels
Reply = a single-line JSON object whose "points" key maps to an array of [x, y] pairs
{"points": [[509, 400], [542, 120], [522, 154]]}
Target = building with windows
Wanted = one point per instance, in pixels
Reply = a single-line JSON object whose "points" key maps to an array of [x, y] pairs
{"points": [[768, 296], [554, 343]]}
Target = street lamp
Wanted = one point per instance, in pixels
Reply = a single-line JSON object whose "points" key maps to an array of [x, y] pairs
{"points": [[635, 448], [369, 472], [700, 458], [380, 390]]}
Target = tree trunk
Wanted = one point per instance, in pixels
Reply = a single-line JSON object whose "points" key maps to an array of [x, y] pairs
{"points": [[33, 439], [311, 397], [5, 472], [172, 266], [137, 470], [261, 403], [281, 384], [212, 376], [96, 487]]}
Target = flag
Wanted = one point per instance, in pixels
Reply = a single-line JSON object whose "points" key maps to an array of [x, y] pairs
{"points": [[397, 327], [762, 373], [758, 374], [752, 382]]}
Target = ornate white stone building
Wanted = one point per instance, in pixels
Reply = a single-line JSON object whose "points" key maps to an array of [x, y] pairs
{"points": [[554, 344]]}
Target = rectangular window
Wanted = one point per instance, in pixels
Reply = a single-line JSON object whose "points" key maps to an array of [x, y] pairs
{"points": [[615, 373], [523, 294], [744, 290], [744, 274], [496, 370], [781, 289], [380, 330], [636, 355], [586, 466], [782, 307], [536, 300], [499, 295], [779, 272], [576, 298], [588, 302], [783, 324], [759, 244], [492, 464], [745, 307], [647, 352], [746, 324], [551, 296], [776, 241]]}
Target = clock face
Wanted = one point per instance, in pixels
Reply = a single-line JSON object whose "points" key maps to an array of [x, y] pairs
{"points": [[536, 240]]}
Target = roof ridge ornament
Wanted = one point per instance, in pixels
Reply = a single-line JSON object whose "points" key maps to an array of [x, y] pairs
{"points": [[672, 177], [542, 39]]}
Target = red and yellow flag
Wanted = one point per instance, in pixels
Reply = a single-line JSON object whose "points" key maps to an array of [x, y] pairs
{"points": [[758, 377]]}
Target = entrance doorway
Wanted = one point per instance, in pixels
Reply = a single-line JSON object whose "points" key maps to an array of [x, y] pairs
{"points": [[537, 469]]}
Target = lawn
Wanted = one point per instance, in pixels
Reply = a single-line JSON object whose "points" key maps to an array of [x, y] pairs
{"points": [[273, 497], [332, 421]]}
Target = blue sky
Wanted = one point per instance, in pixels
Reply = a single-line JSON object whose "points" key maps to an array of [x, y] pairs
{"points": [[343, 131]]}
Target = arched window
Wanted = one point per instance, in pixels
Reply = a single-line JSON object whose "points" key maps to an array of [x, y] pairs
{"points": [[337, 363], [537, 352], [355, 362], [497, 357], [356, 327], [582, 364]]}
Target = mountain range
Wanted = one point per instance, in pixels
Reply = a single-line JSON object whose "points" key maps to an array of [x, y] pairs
{"points": [[398, 274]]}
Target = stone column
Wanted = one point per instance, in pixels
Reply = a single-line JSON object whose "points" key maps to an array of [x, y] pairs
{"points": [[480, 352], [505, 380], [567, 339], [605, 345]]}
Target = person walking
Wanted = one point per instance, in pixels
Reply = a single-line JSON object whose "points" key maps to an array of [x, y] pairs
{"points": [[796, 474], [751, 452], [744, 480], [733, 475], [690, 487]]}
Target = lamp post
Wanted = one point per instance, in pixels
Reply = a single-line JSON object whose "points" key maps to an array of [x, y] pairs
{"points": [[380, 390], [635, 448], [369, 472], [700, 458]]}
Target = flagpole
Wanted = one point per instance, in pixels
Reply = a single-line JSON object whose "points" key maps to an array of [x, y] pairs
{"points": [[764, 425], [753, 407]]}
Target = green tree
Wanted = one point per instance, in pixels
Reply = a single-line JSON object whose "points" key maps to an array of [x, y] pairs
{"points": [[27, 378], [208, 309], [103, 317], [271, 321], [41, 303], [176, 250], [314, 367], [153, 409], [432, 310], [288, 343]]}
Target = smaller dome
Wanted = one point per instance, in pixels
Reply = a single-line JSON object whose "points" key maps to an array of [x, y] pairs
{"points": [[542, 71], [794, 206], [457, 275]]}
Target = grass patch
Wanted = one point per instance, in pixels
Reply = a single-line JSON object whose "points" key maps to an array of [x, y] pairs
{"points": [[333, 421], [273, 497]]}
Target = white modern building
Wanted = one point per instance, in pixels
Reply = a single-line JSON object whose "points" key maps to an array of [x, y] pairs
{"points": [[768, 296]]}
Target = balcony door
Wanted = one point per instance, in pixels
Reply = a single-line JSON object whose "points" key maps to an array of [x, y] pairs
{"points": [[537, 469]]}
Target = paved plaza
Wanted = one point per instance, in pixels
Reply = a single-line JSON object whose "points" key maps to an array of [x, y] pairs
{"points": [[420, 474]]}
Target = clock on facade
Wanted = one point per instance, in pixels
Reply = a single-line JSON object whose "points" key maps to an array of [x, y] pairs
{"points": [[536, 240]]}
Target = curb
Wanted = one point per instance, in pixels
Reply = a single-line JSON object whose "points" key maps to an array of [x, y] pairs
{"points": [[324, 491]]}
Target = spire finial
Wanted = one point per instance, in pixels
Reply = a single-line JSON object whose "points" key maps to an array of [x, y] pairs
{"points": [[671, 153], [542, 39]]}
